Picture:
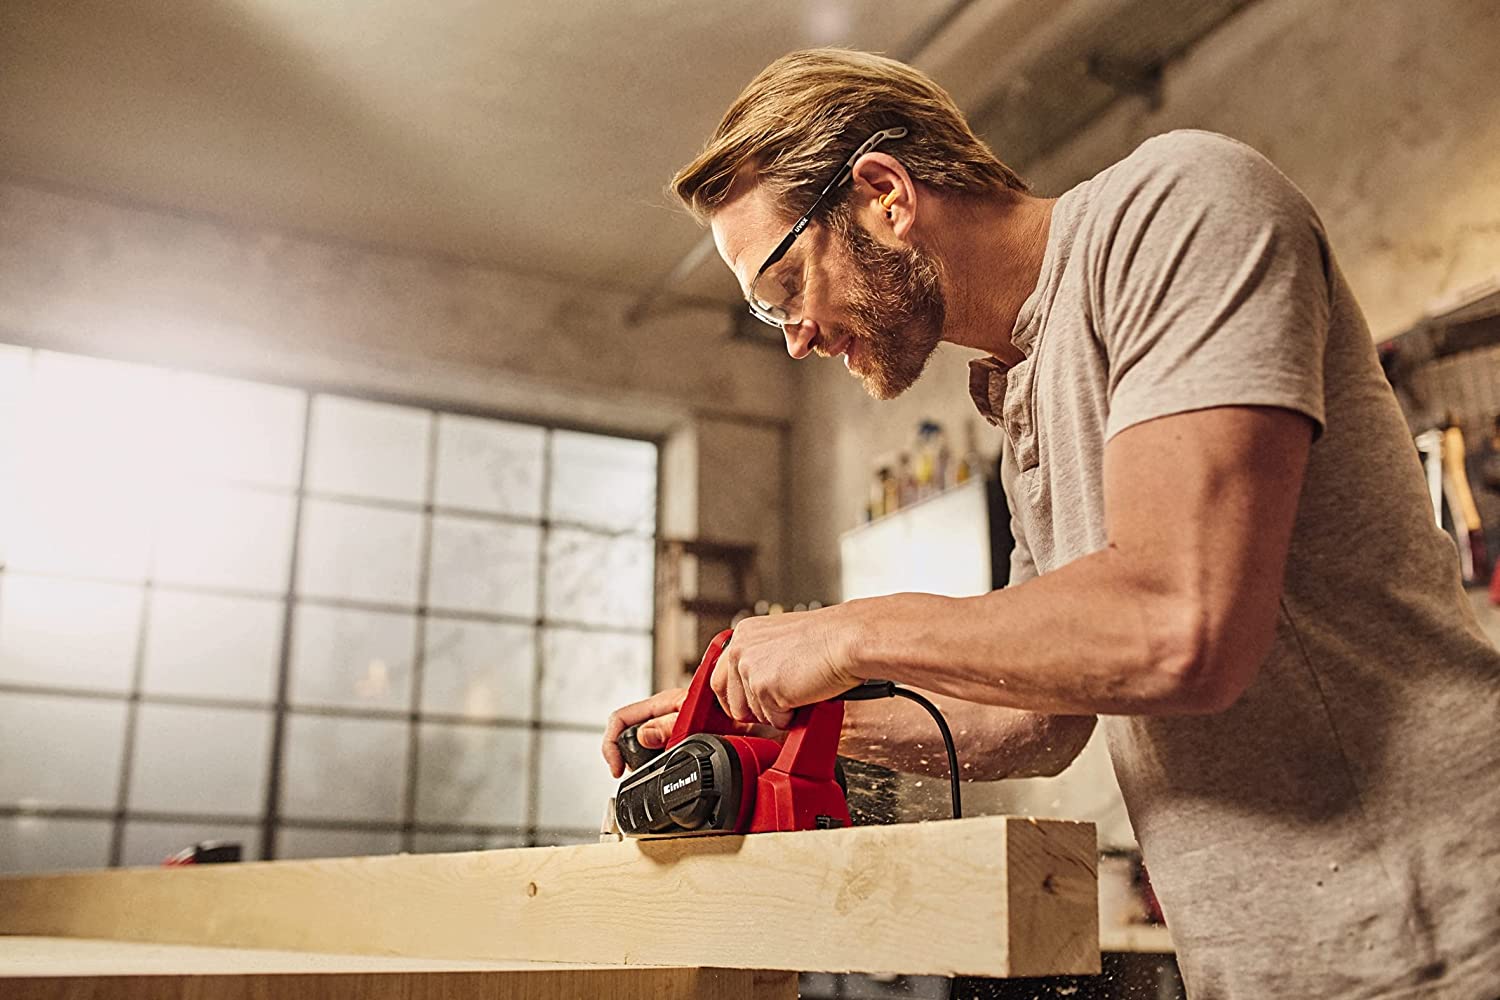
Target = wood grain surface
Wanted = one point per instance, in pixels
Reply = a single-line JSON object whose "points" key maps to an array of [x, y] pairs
{"points": [[990, 896]]}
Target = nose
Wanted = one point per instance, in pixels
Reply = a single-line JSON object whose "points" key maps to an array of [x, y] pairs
{"points": [[800, 337]]}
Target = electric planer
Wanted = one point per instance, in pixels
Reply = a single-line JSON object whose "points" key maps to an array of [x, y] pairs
{"points": [[709, 779]]}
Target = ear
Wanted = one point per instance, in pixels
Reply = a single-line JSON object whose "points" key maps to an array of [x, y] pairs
{"points": [[885, 196]]}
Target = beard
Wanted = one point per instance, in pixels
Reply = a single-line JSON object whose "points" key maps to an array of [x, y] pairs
{"points": [[895, 307]]}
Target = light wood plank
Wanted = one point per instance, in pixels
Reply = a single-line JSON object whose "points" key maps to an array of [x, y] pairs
{"points": [[991, 896], [33, 968]]}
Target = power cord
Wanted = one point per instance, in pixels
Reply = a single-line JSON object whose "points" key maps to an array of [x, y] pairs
{"points": [[872, 690]]}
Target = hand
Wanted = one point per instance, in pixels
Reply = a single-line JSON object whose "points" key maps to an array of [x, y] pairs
{"points": [[657, 716], [779, 663]]}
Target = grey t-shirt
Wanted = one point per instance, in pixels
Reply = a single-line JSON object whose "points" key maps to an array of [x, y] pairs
{"points": [[1336, 832]]}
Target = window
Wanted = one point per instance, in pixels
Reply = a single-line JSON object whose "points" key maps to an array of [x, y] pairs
{"points": [[315, 624]]}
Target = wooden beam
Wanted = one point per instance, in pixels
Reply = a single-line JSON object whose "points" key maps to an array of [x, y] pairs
{"points": [[992, 896], [33, 968]]}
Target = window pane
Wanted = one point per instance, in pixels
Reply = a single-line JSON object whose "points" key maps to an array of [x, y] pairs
{"points": [[354, 659], [296, 842], [38, 844], [483, 566], [478, 669], [448, 843], [472, 774], [57, 751], [366, 449], [213, 647], [344, 768], [64, 634], [88, 430], [598, 579], [359, 553], [58, 525], [227, 429], [226, 537], [587, 675], [200, 760], [489, 465], [153, 843], [603, 481], [574, 784], [15, 399]]}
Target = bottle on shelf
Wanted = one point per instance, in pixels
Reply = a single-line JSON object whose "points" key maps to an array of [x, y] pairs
{"points": [[972, 465]]}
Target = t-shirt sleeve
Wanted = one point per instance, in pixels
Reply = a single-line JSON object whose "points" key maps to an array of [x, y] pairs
{"points": [[1022, 563], [1210, 279]]}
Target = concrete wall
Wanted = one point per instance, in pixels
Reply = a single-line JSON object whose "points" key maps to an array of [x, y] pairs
{"points": [[1387, 113], [85, 275]]}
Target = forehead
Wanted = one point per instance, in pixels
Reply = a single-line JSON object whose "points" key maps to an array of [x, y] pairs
{"points": [[746, 229]]}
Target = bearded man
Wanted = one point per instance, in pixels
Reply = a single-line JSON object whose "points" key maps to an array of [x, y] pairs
{"points": [[1224, 546]]}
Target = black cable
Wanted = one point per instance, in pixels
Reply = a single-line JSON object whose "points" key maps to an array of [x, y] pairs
{"points": [[900, 692], [870, 690]]}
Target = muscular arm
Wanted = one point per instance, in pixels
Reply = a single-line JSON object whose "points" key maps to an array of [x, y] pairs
{"points": [[1174, 616], [992, 742]]}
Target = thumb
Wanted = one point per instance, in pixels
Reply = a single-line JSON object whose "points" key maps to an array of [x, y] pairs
{"points": [[655, 733]]}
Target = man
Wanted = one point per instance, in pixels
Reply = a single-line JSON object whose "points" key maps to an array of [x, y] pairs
{"points": [[1224, 545]]}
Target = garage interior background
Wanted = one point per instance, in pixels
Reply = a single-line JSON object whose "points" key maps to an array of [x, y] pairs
{"points": [[422, 238]]}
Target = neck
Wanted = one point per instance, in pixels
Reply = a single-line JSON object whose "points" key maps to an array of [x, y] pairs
{"points": [[991, 251]]}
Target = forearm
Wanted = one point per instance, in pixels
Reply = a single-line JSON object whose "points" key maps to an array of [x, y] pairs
{"points": [[1085, 639], [991, 742]]}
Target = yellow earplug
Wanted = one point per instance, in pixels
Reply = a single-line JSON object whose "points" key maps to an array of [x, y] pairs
{"points": [[887, 200]]}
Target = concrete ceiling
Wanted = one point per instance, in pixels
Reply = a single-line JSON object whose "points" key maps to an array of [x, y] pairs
{"points": [[533, 136]]}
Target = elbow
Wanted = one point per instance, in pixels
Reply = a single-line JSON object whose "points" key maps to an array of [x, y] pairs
{"points": [[1066, 737], [1203, 664]]}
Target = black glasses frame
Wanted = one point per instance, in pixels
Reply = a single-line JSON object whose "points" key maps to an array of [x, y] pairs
{"points": [[775, 315]]}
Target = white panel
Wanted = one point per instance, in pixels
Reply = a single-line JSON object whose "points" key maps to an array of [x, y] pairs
{"points": [[30, 844], [472, 774], [365, 449], [478, 669], [226, 537], [574, 782], [353, 659], [489, 465], [599, 579], [200, 760], [363, 553], [587, 675], [343, 768], [939, 546], [212, 646], [606, 482], [483, 566], [60, 633], [57, 751]]}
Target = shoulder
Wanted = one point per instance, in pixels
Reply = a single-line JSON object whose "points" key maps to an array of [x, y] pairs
{"points": [[1190, 169]]}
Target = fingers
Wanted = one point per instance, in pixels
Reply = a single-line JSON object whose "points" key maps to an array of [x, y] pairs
{"points": [[730, 689], [660, 704]]}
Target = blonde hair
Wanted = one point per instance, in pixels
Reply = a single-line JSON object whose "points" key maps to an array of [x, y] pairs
{"points": [[797, 122]]}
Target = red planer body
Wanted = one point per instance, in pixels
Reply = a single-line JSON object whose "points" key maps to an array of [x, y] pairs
{"points": [[710, 780]]}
